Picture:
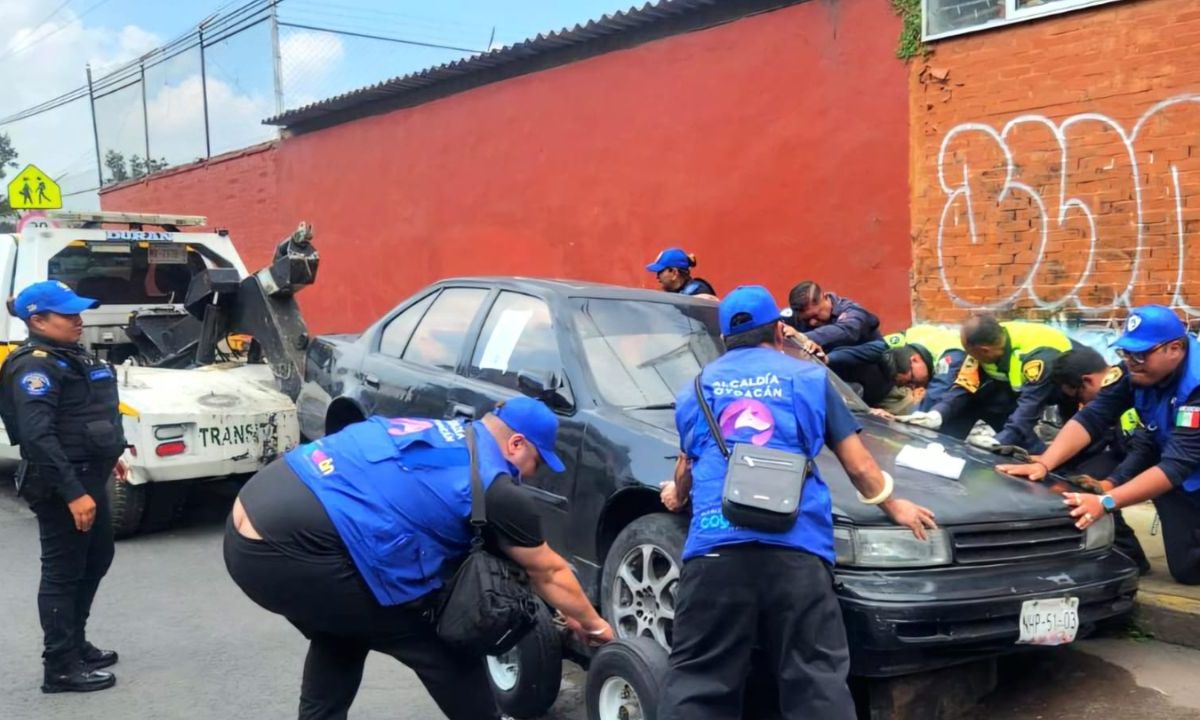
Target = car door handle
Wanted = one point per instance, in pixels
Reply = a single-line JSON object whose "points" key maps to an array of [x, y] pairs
{"points": [[463, 411], [370, 380]]}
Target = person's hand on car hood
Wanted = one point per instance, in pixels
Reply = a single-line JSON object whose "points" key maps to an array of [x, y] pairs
{"points": [[931, 419]]}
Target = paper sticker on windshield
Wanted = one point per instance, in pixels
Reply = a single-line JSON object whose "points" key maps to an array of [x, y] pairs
{"points": [[1033, 370], [968, 375], [503, 341], [35, 384]]}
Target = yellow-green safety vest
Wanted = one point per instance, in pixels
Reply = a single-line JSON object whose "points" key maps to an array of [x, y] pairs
{"points": [[1027, 337], [934, 338]]}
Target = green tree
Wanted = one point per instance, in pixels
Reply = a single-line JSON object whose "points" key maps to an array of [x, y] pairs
{"points": [[115, 162], [8, 158], [140, 168]]}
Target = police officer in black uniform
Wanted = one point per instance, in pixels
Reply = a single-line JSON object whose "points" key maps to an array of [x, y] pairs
{"points": [[59, 403]]}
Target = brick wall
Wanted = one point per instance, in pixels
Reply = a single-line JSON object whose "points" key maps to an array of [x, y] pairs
{"points": [[774, 147], [1056, 166]]}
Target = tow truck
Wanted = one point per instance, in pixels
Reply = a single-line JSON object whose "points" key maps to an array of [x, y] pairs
{"points": [[208, 356]]}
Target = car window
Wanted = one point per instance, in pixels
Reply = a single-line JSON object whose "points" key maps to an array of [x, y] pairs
{"points": [[439, 337], [117, 273], [399, 329], [644, 353], [517, 336]]}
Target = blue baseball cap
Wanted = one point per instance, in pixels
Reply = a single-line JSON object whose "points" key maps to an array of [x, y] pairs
{"points": [[1149, 326], [51, 296], [537, 423], [752, 300], [670, 258]]}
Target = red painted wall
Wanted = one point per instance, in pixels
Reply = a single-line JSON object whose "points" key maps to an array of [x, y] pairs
{"points": [[774, 147]]}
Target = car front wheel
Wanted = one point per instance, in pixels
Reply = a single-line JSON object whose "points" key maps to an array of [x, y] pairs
{"points": [[641, 577]]}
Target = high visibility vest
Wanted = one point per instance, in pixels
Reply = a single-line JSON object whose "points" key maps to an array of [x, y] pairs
{"points": [[1025, 338], [934, 338]]}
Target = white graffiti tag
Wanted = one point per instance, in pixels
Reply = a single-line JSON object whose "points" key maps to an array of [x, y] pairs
{"points": [[1078, 214]]}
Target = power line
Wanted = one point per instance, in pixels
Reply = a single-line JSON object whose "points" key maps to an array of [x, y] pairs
{"points": [[401, 41], [17, 51]]}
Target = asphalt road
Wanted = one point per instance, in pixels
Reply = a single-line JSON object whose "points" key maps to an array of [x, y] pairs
{"points": [[194, 648]]}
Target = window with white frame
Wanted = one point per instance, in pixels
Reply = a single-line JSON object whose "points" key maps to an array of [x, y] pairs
{"points": [[944, 18]]}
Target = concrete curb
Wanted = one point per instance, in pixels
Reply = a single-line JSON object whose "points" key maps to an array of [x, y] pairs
{"points": [[1169, 617]]}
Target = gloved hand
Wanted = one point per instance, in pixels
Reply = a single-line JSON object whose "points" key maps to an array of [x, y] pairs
{"points": [[985, 442], [1014, 451], [931, 419]]}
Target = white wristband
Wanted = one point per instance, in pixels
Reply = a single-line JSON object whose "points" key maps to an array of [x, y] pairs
{"points": [[888, 485]]}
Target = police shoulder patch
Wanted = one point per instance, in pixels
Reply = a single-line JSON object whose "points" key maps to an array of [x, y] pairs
{"points": [[895, 340], [968, 375], [1114, 374], [35, 383], [1033, 370]]}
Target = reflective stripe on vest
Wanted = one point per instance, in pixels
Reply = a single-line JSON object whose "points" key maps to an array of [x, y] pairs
{"points": [[1026, 337]]}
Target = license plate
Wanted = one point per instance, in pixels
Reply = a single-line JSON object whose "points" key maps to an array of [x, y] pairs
{"points": [[168, 254], [1051, 621]]}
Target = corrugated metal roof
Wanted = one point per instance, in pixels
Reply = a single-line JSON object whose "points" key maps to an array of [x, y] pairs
{"points": [[608, 25]]}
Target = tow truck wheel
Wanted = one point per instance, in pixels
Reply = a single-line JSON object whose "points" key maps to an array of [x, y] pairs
{"points": [[127, 505], [625, 679], [526, 679], [640, 577]]}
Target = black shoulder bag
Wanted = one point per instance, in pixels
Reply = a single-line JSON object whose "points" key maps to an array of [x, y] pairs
{"points": [[488, 606], [763, 486]]}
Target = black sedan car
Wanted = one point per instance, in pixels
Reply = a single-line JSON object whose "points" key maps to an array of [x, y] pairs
{"points": [[1006, 567]]}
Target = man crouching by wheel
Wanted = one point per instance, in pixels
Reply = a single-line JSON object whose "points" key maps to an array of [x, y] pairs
{"points": [[759, 550], [351, 536]]}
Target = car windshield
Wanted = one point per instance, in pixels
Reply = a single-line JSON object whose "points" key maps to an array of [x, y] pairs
{"points": [[642, 354]]}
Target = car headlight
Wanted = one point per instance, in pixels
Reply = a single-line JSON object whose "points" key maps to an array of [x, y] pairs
{"points": [[890, 547], [1099, 534]]}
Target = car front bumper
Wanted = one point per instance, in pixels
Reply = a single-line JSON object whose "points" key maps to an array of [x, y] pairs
{"points": [[898, 622]]}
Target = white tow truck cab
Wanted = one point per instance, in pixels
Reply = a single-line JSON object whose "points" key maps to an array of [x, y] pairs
{"points": [[190, 412]]}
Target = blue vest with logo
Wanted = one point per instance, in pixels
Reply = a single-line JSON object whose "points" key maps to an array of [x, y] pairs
{"points": [[398, 490], [760, 396], [1157, 406]]}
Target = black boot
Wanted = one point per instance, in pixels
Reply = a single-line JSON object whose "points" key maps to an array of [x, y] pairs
{"points": [[77, 677], [95, 658]]}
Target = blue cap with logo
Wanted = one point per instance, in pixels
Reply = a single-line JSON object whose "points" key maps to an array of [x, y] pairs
{"points": [[754, 302], [1149, 326], [537, 423], [51, 296], [670, 258]]}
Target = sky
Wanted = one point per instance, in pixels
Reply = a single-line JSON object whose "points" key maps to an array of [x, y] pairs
{"points": [[46, 46]]}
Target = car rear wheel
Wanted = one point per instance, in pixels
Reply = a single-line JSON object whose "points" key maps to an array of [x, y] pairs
{"points": [[641, 576], [625, 679], [127, 505], [526, 679]]}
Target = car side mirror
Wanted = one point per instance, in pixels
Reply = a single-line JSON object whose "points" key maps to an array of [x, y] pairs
{"points": [[546, 387]]}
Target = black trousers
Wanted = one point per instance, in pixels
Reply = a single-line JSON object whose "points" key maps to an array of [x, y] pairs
{"points": [[73, 564], [992, 403], [748, 596], [1179, 516], [326, 599]]}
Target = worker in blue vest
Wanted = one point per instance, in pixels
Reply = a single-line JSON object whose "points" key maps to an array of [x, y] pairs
{"points": [[673, 268], [742, 588], [350, 537], [1162, 460]]}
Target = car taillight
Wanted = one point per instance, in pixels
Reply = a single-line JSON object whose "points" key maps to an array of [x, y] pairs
{"points": [[175, 447]]}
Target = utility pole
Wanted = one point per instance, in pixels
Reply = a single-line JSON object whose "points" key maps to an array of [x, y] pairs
{"points": [[95, 131], [276, 58], [204, 92], [145, 115]]}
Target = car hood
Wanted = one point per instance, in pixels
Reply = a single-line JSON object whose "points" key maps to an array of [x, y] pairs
{"points": [[979, 495]]}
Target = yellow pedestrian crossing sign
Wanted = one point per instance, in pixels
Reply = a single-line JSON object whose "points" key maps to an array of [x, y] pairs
{"points": [[33, 189]]}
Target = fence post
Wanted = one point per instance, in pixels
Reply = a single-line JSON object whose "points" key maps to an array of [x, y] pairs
{"points": [[204, 94], [95, 130]]}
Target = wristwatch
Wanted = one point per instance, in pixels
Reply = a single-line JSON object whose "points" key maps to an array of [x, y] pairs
{"points": [[1109, 503]]}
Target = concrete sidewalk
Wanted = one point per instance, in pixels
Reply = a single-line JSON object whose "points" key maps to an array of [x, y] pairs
{"points": [[1167, 610]]}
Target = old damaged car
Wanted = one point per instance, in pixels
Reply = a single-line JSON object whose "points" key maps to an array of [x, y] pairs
{"points": [[1006, 565]]}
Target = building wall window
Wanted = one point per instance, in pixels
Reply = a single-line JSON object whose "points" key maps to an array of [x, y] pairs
{"points": [[944, 18]]}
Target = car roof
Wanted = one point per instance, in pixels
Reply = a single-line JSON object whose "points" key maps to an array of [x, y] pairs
{"points": [[575, 288]]}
